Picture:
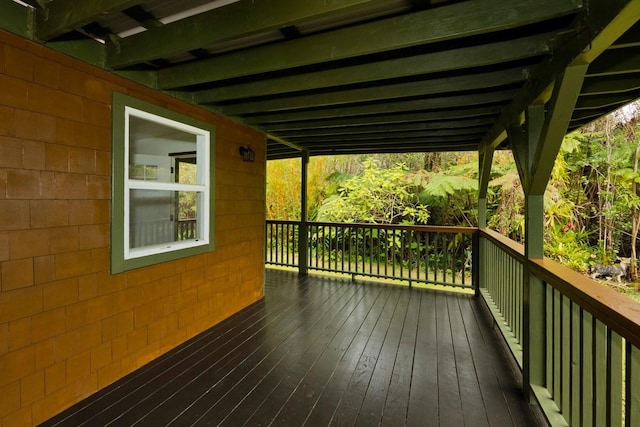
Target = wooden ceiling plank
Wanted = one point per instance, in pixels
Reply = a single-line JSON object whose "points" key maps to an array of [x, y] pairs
{"points": [[385, 119], [603, 101], [62, 16], [398, 145], [238, 20], [629, 39], [463, 19], [468, 57], [392, 134], [16, 19], [397, 107], [385, 93], [616, 61], [414, 126], [610, 84]]}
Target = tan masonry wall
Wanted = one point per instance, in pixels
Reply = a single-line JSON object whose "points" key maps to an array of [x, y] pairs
{"points": [[67, 326]]}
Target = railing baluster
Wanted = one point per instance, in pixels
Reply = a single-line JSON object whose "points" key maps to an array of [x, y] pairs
{"points": [[566, 357], [363, 265], [588, 360], [427, 254], [557, 350], [371, 251], [342, 255], [632, 400], [378, 251], [418, 253], [287, 243], [393, 253], [350, 250], [615, 379], [402, 251], [601, 404]]}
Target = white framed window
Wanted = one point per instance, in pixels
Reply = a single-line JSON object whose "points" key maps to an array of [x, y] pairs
{"points": [[162, 165]]}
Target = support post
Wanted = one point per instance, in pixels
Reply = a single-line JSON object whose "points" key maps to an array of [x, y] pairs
{"points": [[545, 127], [482, 212], [485, 159], [475, 263], [303, 235], [533, 357]]}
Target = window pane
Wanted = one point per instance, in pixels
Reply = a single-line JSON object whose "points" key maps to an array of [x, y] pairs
{"points": [[153, 214], [154, 148], [187, 171], [188, 215]]}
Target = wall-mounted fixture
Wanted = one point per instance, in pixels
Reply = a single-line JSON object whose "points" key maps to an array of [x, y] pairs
{"points": [[247, 153]]}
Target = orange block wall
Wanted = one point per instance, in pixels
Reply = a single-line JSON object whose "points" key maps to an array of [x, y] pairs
{"points": [[67, 326]]}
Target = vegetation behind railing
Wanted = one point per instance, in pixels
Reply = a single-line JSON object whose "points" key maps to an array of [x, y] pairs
{"points": [[414, 254]]}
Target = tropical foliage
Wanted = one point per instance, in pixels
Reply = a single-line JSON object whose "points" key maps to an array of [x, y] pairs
{"points": [[592, 201]]}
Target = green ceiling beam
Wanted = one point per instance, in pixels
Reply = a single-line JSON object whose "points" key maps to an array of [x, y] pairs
{"points": [[610, 84], [400, 143], [610, 100], [422, 116], [414, 126], [464, 19], [382, 92], [285, 142], [239, 20], [61, 16], [385, 108], [606, 20], [84, 49], [396, 146], [585, 116], [388, 135], [630, 38], [468, 57], [616, 61], [416, 148], [16, 19]]}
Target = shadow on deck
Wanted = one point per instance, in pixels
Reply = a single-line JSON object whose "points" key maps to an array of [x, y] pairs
{"points": [[322, 351]]}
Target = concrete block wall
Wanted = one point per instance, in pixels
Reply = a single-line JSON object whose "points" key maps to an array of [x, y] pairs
{"points": [[67, 326]]}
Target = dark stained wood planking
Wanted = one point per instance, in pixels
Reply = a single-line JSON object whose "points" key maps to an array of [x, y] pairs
{"points": [[395, 406], [323, 351]]}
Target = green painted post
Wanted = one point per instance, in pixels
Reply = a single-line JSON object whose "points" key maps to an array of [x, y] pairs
{"points": [[482, 212], [533, 339], [303, 235], [475, 263]]}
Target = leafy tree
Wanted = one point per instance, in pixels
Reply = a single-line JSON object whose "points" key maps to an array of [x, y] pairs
{"points": [[380, 196]]}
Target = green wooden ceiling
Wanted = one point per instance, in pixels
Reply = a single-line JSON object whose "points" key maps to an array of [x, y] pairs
{"points": [[356, 76]]}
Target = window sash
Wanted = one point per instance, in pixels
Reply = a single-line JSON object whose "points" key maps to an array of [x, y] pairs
{"points": [[125, 257]]}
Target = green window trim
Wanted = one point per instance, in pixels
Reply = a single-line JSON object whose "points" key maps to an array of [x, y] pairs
{"points": [[119, 262]]}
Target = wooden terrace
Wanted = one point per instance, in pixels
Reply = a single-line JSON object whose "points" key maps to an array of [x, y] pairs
{"points": [[325, 351]]}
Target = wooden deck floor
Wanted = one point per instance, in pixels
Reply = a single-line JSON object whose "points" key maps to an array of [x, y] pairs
{"points": [[319, 351]]}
